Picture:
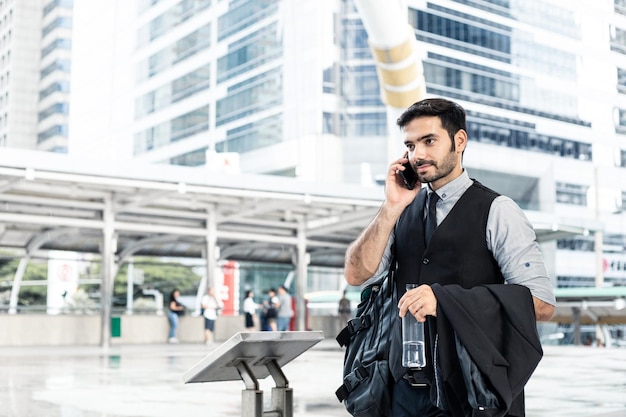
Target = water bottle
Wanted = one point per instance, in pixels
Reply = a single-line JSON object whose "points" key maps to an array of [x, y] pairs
{"points": [[413, 343]]}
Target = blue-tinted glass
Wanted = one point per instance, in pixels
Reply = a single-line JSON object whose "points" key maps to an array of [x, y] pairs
{"points": [[256, 49], [243, 14], [251, 136]]}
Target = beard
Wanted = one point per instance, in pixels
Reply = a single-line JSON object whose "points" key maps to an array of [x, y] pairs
{"points": [[442, 168]]}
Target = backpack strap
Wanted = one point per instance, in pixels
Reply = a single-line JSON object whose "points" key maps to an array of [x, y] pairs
{"points": [[354, 325], [351, 381]]}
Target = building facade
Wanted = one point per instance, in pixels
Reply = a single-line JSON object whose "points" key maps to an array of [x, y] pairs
{"points": [[35, 66], [291, 88]]}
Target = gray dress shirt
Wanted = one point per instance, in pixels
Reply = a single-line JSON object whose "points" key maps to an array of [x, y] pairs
{"points": [[510, 238]]}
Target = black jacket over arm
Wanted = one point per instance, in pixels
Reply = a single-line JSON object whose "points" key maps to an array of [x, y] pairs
{"points": [[496, 325]]}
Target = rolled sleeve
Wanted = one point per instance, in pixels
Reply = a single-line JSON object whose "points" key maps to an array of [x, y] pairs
{"points": [[383, 266], [512, 240]]}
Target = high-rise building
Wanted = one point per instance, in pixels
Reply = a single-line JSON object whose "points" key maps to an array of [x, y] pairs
{"points": [[35, 49], [184, 80], [54, 50], [541, 81]]}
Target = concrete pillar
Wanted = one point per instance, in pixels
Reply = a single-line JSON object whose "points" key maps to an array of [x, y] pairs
{"points": [[211, 256], [576, 323], [17, 282], [302, 261], [211, 247], [108, 269]]}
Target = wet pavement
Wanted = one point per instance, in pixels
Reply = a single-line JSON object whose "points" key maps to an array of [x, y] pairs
{"points": [[147, 381]]}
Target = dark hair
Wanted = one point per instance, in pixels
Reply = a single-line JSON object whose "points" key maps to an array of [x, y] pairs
{"points": [[248, 293], [172, 298], [452, 115]]}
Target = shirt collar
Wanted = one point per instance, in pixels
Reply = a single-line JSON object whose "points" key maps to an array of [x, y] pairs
{"points": [[457, 185]]}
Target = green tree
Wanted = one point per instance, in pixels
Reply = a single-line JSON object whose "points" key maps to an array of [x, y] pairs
{"points": [[36, 270], [160, 275]]}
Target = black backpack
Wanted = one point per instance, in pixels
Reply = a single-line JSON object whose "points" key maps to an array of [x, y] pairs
{"points": [[367, 382]]}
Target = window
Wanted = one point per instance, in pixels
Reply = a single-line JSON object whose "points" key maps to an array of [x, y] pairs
{"points": [[61, 86], [177, 90], [62, 65], [58, 130], [621, 80], [179, 128], [59, 22], [260, 92], [244, 14], [618, 40], [56, 44], [184, 48], [66, 4], [583, 244], [57, 108], [252, 51], [251, 136], [507, 132], [492, 43], [620, 6], [574, 194], [179, 13]]}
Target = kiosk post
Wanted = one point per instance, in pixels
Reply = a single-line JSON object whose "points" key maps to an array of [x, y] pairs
{"points": [[251, 356]]}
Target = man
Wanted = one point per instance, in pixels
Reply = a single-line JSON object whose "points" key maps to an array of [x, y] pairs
{"points": [[211, 306], [285, 310], [344, 309], [270, 310], [481, 241]]}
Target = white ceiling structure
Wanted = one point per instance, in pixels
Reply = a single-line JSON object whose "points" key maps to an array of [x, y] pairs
{"points": [[56, 202], [53, 202]]}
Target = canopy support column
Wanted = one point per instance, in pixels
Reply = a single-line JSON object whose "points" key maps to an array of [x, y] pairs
{"points": [[108, 269], [211, 255], [302, 262], [17, 282]]}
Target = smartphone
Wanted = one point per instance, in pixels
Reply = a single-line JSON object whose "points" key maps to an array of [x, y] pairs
{"points": [[408, 175]]}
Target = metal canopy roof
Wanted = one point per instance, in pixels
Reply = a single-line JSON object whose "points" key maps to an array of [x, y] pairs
{"points": [[605, 305], [56, 202], [51, 201]]}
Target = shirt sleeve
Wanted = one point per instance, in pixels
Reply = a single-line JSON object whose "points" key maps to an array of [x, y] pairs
{"points": [[383, 266], [512, 241]]}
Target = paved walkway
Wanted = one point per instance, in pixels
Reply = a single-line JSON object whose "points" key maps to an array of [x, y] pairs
{"points": [[146, 381]]}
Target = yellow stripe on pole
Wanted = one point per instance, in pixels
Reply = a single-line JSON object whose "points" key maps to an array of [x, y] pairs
{"points": [[403, 99], [398, 76], [395, 54], [400, 72]]}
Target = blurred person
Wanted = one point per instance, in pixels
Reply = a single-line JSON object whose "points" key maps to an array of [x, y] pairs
{"points": [[249, 310], [211, 307], [285, 309], [175, 310], [270, 310], [344, 309], [481, 267]]}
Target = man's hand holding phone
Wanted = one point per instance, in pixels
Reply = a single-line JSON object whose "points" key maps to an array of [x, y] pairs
{"points": [[408, 175], [397, 192]]}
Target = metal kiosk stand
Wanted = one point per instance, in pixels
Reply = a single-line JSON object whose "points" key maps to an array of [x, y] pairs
{"points": [[251, 356]]}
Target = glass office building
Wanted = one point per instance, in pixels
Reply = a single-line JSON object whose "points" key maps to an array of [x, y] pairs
{"points": [[35, 48], [291, 87], [543, 85]]}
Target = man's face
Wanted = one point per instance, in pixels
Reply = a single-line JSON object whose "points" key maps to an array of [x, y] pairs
{"points": [[431, 151]]}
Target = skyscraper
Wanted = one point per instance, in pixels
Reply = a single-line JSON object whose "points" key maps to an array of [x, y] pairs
{"points": [[35, 63]]}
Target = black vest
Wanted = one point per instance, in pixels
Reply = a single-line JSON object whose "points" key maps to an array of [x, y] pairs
{"points": [[457, 253]]}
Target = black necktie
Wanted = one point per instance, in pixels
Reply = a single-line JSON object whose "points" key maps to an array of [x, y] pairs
{"points": [[430, 223]]}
